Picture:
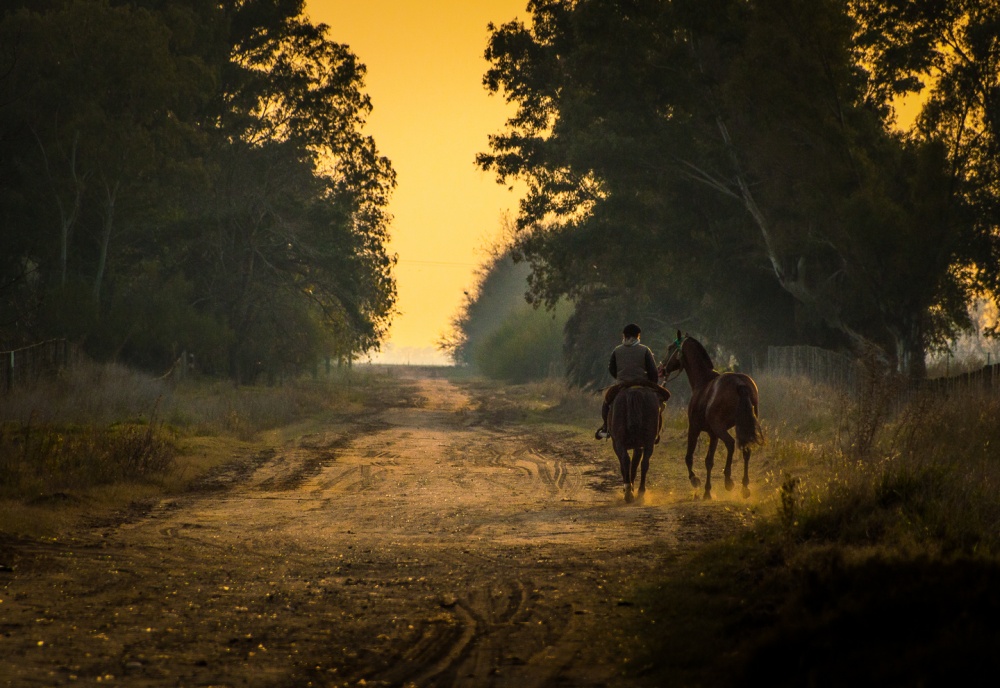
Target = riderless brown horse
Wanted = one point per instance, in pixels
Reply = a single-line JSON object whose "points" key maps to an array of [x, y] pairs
{"points": [[634, 424], [719, 401]]}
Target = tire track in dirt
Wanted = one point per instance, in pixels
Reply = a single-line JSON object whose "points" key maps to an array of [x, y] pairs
{"points": [[421, 549]]}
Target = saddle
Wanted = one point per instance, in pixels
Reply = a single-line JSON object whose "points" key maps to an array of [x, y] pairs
{"points": [[613, 390]]}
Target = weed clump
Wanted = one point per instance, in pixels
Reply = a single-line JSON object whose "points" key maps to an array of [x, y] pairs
{"points": [[41, 458], [927, 482]]}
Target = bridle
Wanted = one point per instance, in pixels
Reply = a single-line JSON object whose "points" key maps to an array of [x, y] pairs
{"points": [[678, 343]]}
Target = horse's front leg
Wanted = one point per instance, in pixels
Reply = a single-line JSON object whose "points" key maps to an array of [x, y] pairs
{"points": [[689, 457], [746, 472], [713, 442]]}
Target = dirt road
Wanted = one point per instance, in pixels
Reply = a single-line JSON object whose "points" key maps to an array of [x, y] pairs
{"points": [[423, 547]]}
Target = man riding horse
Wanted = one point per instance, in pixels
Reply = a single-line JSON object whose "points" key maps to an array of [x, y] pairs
{"points": [[631, 364]]}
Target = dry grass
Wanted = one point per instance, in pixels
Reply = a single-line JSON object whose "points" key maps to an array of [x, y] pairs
{"points": [[567, 404], [928, 483], [873, 560], [89, 393], [219, 408], [41, 458], [102, 437]]}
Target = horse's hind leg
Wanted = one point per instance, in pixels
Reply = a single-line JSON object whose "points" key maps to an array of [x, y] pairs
{"points": [[625, 464], [636, 458], [646, 453], [727, 440], [746, 472]]}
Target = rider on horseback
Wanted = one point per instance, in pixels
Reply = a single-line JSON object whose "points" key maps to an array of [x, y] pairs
{"points": [[631, 364]]}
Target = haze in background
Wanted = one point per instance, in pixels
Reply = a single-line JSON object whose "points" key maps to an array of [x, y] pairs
{"points": [[431, 117]]}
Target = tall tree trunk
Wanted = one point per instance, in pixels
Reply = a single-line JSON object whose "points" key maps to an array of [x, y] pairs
{"points": [[67, 217], [911, 352], [111, 196], [788, 270], [67, 221]]}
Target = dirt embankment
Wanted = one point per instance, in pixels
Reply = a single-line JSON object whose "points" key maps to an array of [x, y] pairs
{"points": [[421, 548]]}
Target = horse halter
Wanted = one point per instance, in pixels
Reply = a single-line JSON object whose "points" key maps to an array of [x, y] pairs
{"points": [[678, 343]]}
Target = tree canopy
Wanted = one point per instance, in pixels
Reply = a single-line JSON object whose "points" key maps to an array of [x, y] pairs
{"points": [[189, 175], [735, 167]]}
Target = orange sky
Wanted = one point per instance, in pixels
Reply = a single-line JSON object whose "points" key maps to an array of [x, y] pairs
{"points": [[431, 116]]}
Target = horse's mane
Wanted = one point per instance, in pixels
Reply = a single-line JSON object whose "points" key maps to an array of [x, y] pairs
{"points": [[696, 351]]}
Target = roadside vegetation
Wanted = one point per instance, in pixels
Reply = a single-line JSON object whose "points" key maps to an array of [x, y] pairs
{"points": [[102, 438], [873, 560]]}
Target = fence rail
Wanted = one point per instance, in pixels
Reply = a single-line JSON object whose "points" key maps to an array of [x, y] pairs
{"points": [[26, 365]]}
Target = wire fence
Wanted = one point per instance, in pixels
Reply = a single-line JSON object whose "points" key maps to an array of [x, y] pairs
{"points": [[845, 372], [987, 377], [24, 366], [819, 365]]}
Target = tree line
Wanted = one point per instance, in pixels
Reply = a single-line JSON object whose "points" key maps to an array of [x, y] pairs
{"points": [[189, 175], [737, 168], [496, 333]]}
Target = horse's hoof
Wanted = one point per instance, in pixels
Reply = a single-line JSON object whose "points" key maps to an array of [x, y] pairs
{"points": [[730, 484], [746, 492], [695, 481], [629, 497], [708, 496]]}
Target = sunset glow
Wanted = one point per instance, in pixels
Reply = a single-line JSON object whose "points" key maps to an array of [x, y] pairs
{"points": [[431, 116]]}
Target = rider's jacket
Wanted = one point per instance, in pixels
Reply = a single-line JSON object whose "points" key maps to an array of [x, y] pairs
{"points": [[632, 362]]}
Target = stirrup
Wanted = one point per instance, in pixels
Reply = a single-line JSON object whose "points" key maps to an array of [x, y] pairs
{"points": [[601, 434]]}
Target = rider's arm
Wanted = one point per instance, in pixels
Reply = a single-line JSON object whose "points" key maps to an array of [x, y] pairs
{"points": [[651, 372]]}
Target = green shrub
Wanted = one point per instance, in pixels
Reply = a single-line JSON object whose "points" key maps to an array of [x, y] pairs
{"points": [[526, 346]]}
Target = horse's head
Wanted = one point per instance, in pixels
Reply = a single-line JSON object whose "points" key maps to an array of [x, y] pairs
{"points": [[674, 360]]}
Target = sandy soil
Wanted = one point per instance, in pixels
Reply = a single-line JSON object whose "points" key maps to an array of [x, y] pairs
{"points": [[423, 547]]}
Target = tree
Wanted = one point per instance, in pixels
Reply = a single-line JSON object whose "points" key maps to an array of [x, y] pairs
{"points": [[299, 199], [705, 146], [953, 60], [501, 285], [209, 156], [500, 335]]}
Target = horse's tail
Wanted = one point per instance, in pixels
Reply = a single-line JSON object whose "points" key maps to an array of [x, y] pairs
{"points": [[748, 430], [634, 413]]}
